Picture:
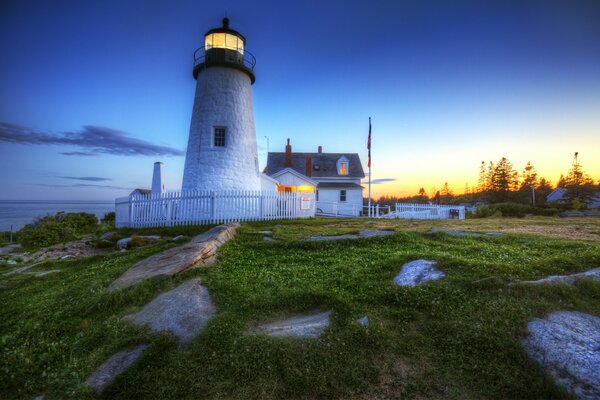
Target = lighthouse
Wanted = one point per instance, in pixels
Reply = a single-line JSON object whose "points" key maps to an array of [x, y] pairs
{"points": [[221, 152]]}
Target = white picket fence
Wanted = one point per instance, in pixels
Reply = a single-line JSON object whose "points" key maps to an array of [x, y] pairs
{"points": [[427, 211], [204, 207]]}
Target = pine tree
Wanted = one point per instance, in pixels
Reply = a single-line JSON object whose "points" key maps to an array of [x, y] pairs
{"points": [[446, 193], [530, 176], [503, 180], [579, 184], [542, 191]]}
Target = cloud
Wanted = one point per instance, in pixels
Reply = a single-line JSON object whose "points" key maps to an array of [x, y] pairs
{"points": [[86, 178], [379, 181], [79, 153], [94, 139], [76, 185]]}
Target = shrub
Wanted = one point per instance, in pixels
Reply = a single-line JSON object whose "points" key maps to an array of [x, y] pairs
{"points": [[59, 228], [109, 218]]}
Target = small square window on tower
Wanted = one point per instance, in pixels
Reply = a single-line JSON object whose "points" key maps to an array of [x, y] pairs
{"points": [[219, 136]]}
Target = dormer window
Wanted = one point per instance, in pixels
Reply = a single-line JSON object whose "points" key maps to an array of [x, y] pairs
{"points": [[343, 166]]}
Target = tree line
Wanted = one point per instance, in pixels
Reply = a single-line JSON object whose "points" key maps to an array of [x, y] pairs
{"points": [[500, 182]]}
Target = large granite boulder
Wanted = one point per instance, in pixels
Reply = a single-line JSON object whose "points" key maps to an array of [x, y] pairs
{"points": [[568, 279], [567, 345], [417, 272], [301, 326], [114, 366], [202, 250], [183, 311]]}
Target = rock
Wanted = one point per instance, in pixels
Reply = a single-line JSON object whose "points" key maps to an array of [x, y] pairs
{"points": [[202, 250], [568, 279], [364, 321], [114, 366], [179, 237], [268, 239], [7, 250], [361, 234], [265, 232], [337, 237], [183, 311], [373, 233], [44, 273], [418, 271], [108, 235], [302, 326], [461, 233], [12, 262], [571, 214], [567, 345], [123, 243], [126, 242], [18, 270], [66, 257]]}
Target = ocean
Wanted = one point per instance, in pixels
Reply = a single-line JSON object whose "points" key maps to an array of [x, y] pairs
{"points": [[19, 213]]}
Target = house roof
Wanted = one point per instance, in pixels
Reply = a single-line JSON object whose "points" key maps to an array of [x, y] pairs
{"points": [[296, 173], [326, 162], [338, 185], [141, 191]]}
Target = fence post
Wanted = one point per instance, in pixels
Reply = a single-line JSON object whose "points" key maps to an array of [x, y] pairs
{"points": [[213, 207]]}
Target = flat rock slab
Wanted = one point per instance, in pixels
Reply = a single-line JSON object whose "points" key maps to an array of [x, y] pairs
{"points": [[462, 233], [361, 234], [301, 326], [567, 345], [417, 272], [202, 250], [568, 279], [114, 366], [183, 311]]}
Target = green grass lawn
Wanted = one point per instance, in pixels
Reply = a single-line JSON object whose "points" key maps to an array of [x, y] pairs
{"points": [[454, 338]]}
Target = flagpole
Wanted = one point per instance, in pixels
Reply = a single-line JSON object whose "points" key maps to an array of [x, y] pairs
{"points": [[369, 166]]}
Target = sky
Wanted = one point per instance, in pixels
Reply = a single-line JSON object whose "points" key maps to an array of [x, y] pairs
{"points": [[94, 92]]}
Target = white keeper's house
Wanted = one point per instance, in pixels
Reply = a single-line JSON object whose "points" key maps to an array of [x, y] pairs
{"points": [[333, 177]]}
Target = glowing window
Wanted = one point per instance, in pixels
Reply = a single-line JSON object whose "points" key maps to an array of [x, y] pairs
{"points": [[224, 41], [219, 136], [342, 166]]}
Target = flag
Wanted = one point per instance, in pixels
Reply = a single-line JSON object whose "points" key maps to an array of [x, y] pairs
{"points": [[369, 144]]}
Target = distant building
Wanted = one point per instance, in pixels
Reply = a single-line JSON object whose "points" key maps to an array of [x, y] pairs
{"points": [[558, 196], [333, 177]]}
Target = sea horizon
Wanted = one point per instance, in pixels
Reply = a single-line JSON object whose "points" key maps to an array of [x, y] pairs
{"points": [[15, 214]]}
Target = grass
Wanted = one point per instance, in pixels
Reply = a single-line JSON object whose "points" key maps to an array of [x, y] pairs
{"points": [[455, 338]]}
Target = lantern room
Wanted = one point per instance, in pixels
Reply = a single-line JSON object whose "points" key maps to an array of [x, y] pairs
{"points": [[224, 47]]}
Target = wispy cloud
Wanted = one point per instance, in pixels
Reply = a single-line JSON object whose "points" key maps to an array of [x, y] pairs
{"points": [[80, 153], [86, 178], [94, 139], [79, 185], [379, 181]]}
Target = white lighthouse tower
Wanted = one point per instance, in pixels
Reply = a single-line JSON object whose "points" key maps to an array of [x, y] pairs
{"points": [[221, 152]]}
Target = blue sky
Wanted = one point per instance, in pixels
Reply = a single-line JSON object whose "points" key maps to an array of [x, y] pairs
{"points": [[447, 84]]}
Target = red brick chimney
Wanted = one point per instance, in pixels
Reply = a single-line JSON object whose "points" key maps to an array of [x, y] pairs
{"points": [[288, 154], [308, 165], [320, 149]]}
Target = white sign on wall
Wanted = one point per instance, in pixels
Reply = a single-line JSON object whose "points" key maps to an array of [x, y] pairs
{"points": [[305, 203]]}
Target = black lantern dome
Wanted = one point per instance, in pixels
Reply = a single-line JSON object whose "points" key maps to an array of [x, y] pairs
{"points": [[224, 47]]}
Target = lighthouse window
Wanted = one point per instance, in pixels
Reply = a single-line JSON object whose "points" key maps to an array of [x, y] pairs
{"points": [[219, 136]]}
